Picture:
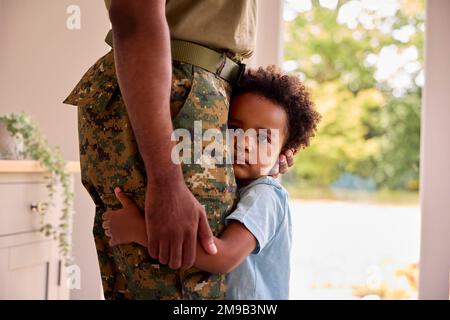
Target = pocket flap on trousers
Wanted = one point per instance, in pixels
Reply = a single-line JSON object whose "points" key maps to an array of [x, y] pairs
{"points": [[97, 86]]}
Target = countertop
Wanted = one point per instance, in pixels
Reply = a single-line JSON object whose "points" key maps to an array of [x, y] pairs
{"points": [[31, 166]]}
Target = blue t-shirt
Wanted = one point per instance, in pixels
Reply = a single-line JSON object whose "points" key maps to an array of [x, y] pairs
{"points": [[264, 210]]}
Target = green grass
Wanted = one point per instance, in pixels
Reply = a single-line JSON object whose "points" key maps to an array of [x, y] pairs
{"points": [[392, 197]]}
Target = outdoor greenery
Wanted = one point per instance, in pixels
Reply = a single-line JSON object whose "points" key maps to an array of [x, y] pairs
{"points": [[362, 60]]}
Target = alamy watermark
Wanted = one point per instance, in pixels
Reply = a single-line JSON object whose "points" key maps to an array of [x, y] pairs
{"points": [[73, 22], [231, 146]]}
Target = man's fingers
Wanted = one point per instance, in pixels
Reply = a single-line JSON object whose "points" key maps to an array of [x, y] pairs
{"points": [[189, 251], [153, 249], [123, 198], [283, 164], [164, 252], [175, 254], [205, 235]]}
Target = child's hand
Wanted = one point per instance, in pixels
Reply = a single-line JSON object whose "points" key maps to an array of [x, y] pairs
{"points": [[285, 160], [125, 201], [125, 225]]}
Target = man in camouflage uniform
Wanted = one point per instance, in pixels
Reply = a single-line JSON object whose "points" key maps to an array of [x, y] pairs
{"points": [[124, 140], [111, 151]]}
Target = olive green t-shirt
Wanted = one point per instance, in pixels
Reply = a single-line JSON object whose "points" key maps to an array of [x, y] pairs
{"points": [[218, 24]]}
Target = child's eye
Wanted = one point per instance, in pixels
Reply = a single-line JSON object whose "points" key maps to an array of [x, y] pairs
{"points": [[263, 138]]}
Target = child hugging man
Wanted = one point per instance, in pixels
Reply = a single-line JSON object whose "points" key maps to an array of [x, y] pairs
{"points": [[254, 249]]}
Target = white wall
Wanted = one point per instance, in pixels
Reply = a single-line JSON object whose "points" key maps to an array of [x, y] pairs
{"points": [[435, 156], [40, 62]]}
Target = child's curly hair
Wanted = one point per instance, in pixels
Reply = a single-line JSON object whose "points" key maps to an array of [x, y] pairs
{"points": [[288, 92]]}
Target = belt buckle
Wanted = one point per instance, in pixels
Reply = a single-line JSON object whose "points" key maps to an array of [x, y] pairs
{"points": [[232, 71], [242, 67]]}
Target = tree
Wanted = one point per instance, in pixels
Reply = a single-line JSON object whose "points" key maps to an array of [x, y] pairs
{"points": [[362, 60]]}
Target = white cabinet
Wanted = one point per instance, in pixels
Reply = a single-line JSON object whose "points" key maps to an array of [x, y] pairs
{"points": [[30, 264], [27, 268]]}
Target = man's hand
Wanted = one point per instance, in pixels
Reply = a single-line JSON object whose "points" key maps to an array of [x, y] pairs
{"points": [[174, 218], [285, 161], [144, 72]]}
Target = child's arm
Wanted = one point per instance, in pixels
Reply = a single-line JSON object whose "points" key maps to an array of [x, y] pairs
{"points": [[128, 225], [233, 246]]}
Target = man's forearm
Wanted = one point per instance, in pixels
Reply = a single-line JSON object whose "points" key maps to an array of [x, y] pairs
{"points": [[222, 262], [144, 70]]}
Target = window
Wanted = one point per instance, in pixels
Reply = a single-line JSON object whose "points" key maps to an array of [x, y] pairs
{"points": [[354, 191]]}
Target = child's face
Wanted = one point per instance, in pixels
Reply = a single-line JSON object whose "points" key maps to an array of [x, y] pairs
{"points": [[253, 111]]}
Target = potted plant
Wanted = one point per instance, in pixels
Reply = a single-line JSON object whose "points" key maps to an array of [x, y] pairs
{"points": [[11, 147], [31, 144]]}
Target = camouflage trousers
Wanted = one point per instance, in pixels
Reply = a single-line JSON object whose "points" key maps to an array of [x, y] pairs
{"points": [[109, 157]]}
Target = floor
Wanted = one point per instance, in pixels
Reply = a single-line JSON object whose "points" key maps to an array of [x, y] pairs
{"points": [[337, 245]]}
